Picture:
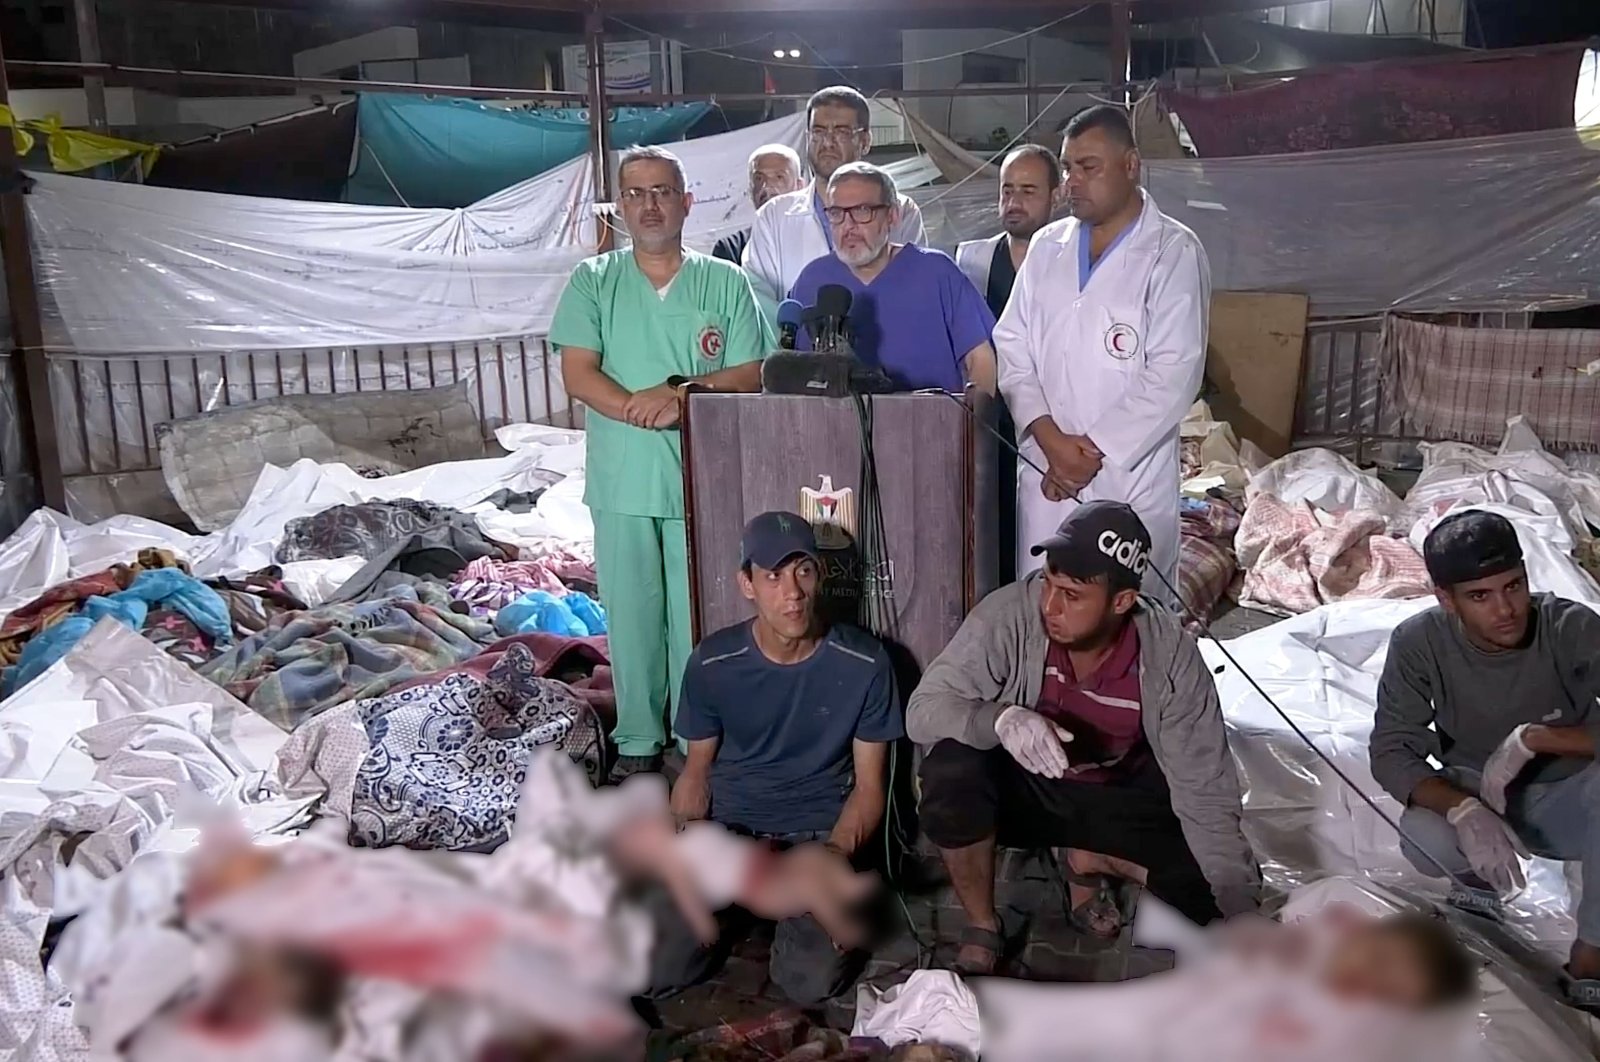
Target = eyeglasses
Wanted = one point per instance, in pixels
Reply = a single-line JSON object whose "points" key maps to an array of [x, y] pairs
{"points": [[655, 193], [859, 214], [838, 134]]}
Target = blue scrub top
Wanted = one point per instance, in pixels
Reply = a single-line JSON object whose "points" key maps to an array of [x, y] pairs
{"points": [[916, 321], [1086, 268]]}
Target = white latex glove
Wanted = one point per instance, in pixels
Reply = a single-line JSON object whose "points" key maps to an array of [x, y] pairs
{"points": [[1033, 741], [1490, 845], [1502, 768]]}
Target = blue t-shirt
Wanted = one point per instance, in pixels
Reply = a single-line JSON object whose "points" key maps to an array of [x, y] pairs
{"points": [[785, 762], [916, 321]]}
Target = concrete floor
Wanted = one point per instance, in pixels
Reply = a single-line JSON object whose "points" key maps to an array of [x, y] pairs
{"points": [[928, 926], [1048, 949]]}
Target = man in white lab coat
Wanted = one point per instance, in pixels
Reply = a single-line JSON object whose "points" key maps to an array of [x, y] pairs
{"points": [[1103, 347], [791, 231]]}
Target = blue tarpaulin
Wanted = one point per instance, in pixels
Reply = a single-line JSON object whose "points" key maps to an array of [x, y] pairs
{"points": [[425, 151]]}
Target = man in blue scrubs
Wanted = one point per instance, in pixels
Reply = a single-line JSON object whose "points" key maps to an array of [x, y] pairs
{"points": [[915, 315]]}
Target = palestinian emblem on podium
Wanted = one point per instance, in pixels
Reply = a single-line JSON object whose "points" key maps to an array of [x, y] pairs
{"points": [[831, 514]]}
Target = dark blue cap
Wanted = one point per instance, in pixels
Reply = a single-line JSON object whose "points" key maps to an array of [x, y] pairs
{"points": [[772, 538], [790, 312]]}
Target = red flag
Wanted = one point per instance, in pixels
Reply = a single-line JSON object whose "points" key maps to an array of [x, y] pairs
{"points": [[768, 86]]}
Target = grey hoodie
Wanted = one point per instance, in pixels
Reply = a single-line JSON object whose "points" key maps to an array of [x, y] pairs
{"points": [[997, 659]]}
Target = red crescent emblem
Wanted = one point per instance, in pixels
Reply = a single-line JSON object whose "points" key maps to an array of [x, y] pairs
{"points": [[1122, 342], [711, 342]]}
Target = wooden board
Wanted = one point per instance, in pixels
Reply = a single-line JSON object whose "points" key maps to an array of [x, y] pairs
{"points": [[749, 454], [1258, 341]]}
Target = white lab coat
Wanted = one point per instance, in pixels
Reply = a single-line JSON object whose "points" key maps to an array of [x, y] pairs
{"points": [[975, 258], [788, 236], [1120, 362]]}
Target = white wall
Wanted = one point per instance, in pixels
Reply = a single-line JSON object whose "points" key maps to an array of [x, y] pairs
{"points": [[126, 106], [395, 42], [1397, 17], [932, 62], [230, 112], [69, 105]]}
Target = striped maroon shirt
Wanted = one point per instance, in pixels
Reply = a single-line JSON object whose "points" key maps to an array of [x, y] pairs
{"points": [[1103, 713]]}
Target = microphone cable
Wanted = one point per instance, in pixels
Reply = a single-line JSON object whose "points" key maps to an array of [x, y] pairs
{"points": [[1205, 630]]}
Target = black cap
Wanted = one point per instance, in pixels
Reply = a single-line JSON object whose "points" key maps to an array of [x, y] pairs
{"points": [[772, 538], [1099, 538], [1470, 545]]}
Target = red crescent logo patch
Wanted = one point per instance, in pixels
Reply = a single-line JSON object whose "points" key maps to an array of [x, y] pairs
{"points": [[1122, 342], [711, 342]]}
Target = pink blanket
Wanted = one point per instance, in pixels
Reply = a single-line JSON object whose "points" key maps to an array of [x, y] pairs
{"points": [[1296, 557]]}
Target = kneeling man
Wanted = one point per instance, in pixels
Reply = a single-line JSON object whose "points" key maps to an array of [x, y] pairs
{"points": [[1497, 686], [1069, 712], [788, 721]]}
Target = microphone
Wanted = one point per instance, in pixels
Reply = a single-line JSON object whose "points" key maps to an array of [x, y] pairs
{"points": [[790, 316], [833, 305]]}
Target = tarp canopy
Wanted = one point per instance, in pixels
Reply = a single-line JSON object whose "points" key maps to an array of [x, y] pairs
{"points": [[427, 151], [305, 155], [1479, 95], [1504, 223], [133, 269]]}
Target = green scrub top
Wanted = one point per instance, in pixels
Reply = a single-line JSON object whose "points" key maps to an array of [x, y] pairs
{"points": [[707, 321]]}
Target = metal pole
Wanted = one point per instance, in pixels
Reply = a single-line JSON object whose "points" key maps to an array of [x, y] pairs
{"points": [[94, 88], [37, 415], [599, 133], [1030, 102], [166, 79], [1121, 34]]}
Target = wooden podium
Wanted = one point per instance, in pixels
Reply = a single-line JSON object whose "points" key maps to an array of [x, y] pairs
{"points": [[747, 454]]}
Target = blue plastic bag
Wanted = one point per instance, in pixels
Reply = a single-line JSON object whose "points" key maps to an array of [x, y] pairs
{"points": [[167, 586], [588, 610], [539, 610]]}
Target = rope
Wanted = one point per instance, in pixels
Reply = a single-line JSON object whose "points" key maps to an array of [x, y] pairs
{"points": [[1205, 629]]}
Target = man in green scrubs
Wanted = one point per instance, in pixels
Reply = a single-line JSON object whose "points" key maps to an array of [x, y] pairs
{"points": [[631, 326]]}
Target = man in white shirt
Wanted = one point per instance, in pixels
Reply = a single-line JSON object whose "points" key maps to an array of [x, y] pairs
{"points": [[1103, 346], [791, 231]]}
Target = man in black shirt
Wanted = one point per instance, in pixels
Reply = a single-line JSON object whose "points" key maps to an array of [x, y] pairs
{"points": [[1030, 187], [774, 171]]}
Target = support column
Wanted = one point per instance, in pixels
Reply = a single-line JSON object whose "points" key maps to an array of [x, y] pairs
{"points": [[1120, 48], [94, 88], [599, 131], [37, 415], [1030, 102]]}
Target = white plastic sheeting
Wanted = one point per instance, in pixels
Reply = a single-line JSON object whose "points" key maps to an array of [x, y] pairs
{"points": [[50, 548], [1324, 223], [128, 268], [1215, 1007], [1322, 667], [97, 757], [547, 458]]}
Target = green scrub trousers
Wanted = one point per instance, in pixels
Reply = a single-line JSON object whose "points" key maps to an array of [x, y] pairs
{"points": [[643, 566], [706, 321]]}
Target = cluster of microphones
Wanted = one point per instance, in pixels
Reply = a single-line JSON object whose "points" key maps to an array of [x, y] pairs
{"points": [[830, 368], [827, 323]]}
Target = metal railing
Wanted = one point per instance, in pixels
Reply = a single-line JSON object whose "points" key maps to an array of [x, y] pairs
{"points": [[1345, 403], [109, 407]]}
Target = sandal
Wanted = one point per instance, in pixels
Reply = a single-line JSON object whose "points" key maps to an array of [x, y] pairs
{"points": [[977, 937], [1582, 994], [1100, 916]]}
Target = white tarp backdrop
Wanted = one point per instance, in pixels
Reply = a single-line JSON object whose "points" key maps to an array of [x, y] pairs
{"points": [[133, 269], [127, 268]]}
